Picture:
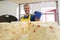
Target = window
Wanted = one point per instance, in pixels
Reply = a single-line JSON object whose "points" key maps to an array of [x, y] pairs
{"points": [[48, 14]]}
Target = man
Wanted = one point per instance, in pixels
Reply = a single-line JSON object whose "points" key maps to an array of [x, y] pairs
{"points": [[36, 17], [26, 17]]}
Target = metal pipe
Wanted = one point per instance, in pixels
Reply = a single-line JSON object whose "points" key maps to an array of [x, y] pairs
{"points": [[57, 12], [42, 14], [19, 12], [37, 2]]}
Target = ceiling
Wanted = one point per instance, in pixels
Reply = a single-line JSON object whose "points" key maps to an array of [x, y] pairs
{"points": [[29, 1]]}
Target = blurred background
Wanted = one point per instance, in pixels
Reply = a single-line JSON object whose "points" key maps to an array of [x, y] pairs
{"points": [[50, 9]]}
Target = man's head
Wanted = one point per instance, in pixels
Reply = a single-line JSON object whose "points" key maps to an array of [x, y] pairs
{"points": [[27, 8]]}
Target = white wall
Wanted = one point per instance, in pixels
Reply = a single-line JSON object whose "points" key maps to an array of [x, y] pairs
{"points": [[8, 8]]}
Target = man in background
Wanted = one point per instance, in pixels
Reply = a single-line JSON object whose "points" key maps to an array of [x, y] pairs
{"points": [[26, 17]]}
